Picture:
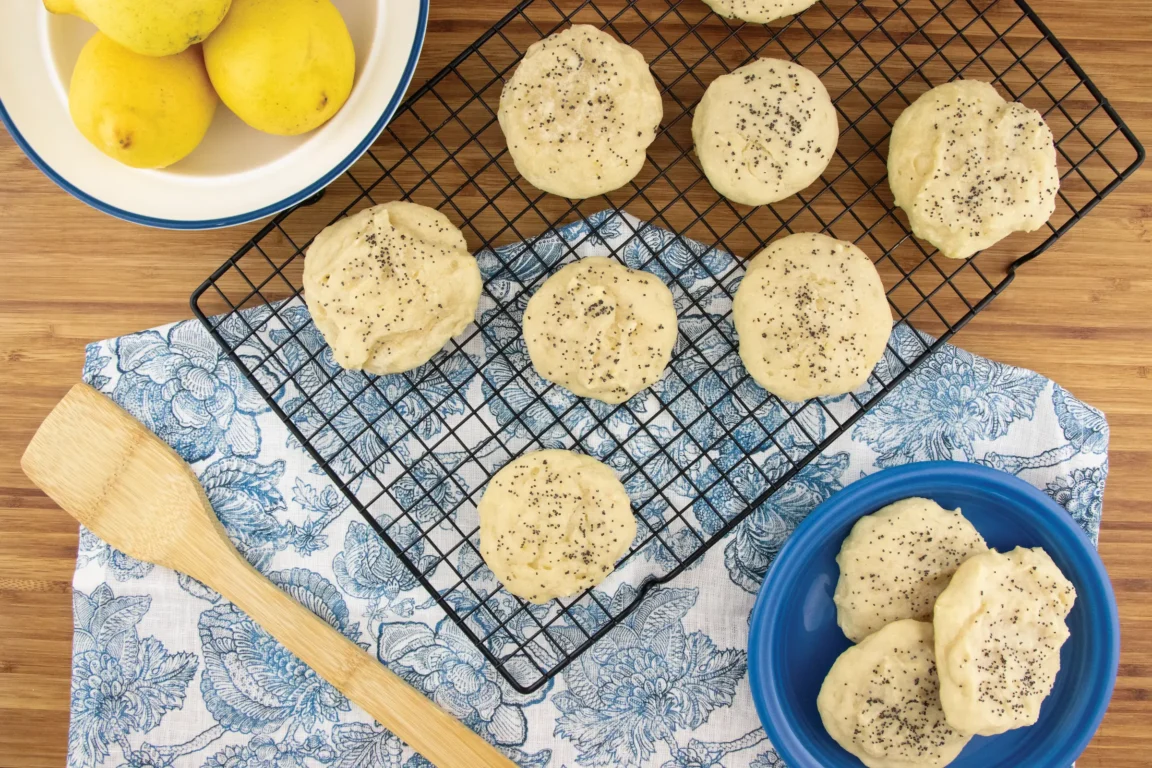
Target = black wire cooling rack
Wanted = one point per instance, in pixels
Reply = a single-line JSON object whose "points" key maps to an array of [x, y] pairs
{"points": [[412, 452]]}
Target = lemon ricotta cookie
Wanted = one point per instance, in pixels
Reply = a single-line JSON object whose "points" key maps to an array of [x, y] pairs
{"points": [[970, 168], [600, 329], [758, 11], [579, 113], [896, 562], [812, 317], [553, 523], [389, 286], [881, 701], [999, 629], [765, 131]]}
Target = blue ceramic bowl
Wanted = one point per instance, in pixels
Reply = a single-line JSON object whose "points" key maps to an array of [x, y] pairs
{"points": [[794, 637]]}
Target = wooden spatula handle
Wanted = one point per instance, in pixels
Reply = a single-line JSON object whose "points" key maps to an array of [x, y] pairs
{"points": [[396, 705]]}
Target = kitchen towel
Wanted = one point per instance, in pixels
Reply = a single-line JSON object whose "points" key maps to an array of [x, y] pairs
{"points": [[166, 674]]}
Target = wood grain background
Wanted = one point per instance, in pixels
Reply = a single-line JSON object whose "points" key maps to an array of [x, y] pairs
{"points": [[1082, 315]]}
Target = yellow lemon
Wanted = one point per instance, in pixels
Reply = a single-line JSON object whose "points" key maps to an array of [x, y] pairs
{"points": [[283, 66], [148, 27], [145, 111]]}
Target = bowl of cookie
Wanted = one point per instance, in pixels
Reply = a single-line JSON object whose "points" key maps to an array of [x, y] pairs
{"points": [[935, 614]]}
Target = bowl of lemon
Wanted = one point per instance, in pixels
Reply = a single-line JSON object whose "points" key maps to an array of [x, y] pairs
{"points": [[198, 114]]}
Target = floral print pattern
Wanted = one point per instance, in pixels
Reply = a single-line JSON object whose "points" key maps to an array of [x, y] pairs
{"points": [[121, 682], [758, 539], [644, 682], [448, 669], [251, 683], [185, 390], [167, 674], [950, 402], [1082, 494]]}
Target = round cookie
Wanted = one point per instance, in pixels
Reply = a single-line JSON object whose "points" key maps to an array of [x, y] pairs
{"points": [[579, 113], [600, 329], [765, 131], [758, 11], [896, 562], [553, 523], [880, 701], [999, 627], [812, 317], [970, 168], [389, 286]]}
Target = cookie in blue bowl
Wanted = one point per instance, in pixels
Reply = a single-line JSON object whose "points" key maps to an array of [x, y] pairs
{"points": [[795, 637]]}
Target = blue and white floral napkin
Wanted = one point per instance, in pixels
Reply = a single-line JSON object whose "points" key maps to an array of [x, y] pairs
{"points": [[166, 674]]}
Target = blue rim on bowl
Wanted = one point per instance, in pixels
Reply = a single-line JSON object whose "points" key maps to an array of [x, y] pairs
{"points": [[787, 660], [268, 210]]}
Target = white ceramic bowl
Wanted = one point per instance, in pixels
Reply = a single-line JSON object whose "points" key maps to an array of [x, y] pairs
{"points": [[237, 174]]}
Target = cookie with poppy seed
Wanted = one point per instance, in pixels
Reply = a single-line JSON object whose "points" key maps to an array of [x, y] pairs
{"points": [[812, 317], [970, 168], [390, 285], [881, 701], [579, 113], [758, 11], [553, 523], [765, 131], [600, 329], [999, 628], [897, 561]]}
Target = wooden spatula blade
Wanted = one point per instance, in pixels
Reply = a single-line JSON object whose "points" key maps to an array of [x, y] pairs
{"points": [[114, 476]]}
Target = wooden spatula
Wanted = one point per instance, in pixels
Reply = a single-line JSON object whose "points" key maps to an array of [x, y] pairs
{"points": [[132, 490]]}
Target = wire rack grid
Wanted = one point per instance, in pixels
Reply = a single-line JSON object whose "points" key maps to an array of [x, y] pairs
{"points": [[412, 452]]}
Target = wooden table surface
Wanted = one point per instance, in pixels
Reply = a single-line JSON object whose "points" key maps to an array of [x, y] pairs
{"points": [[1082, 315]]}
